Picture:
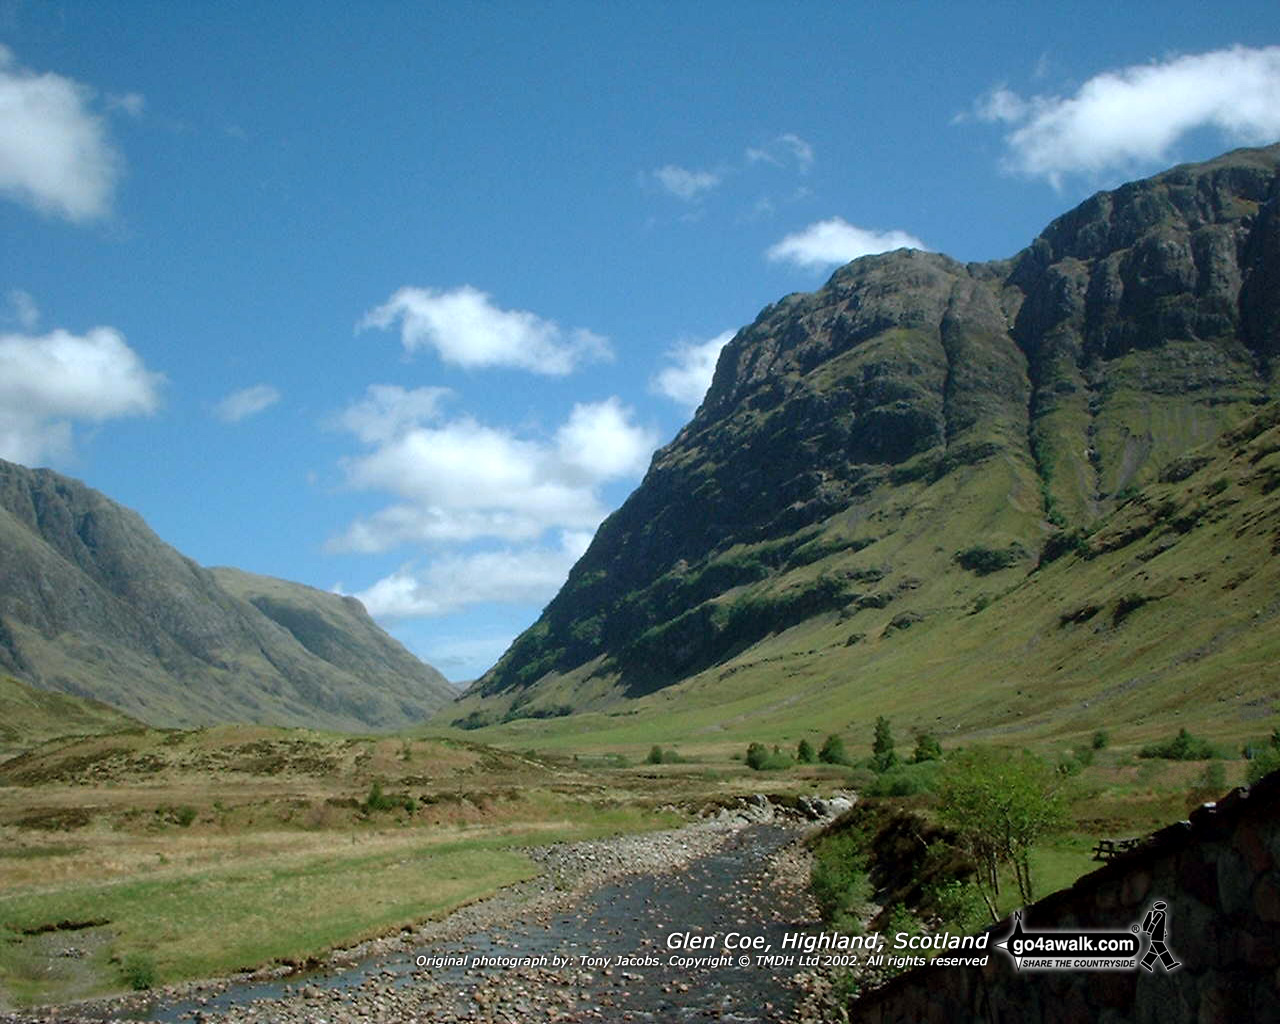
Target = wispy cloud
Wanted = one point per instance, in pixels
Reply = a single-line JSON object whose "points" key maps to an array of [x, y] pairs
{"points": [[51, 381], [467, 329], [240, 405], [834, 241], [787, 146], [1133, 117], [685, 184], [54, 151], [24, 311], [691, 366]]}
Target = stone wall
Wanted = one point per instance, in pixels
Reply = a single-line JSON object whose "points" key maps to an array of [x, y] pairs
{"points": [[1219, 873]]}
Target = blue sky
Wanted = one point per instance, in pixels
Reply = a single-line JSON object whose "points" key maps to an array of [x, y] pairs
{"points": [[399, 298]]}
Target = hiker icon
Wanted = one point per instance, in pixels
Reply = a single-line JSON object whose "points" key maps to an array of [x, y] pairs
{"points": [[1153, 925]]}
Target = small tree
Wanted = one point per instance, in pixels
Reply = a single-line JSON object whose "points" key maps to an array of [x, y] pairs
{"points": [[804, 752], [1001, 804], [882, 756], [927, 748], [757, 756], [655, 755], [832, 751]]}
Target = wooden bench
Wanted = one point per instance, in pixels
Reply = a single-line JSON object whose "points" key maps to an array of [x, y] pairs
{"points": [[1108, 848]]}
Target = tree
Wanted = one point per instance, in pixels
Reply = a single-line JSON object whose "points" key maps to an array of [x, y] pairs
{"points": [[927, 748], [882, 756], [757, 756], [832, 751], [804, 752], [1001, 804], [655, 755]]}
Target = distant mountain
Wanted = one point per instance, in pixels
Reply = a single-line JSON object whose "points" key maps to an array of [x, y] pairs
{"points": [[901, 448], [93, 603]]}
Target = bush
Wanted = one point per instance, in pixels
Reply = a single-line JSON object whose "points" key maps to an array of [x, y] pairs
{"points": [[1264, 764], [805, 753], [139, 971], [185, 815], [927, 749], [906, 780], [832, 751], [882, 756], [1100, 739], [984, 560], [1183, 747], [760, 758], [657, 755], [838, 877]]}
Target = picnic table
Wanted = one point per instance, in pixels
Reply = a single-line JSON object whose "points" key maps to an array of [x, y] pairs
{"points": [[1108, 848]]}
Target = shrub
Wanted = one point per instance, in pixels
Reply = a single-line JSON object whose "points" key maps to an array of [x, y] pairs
{"points": [[984, 560], [838, 877], [805, 753], [185, 815], [760, 758], [905, 780], [139, 971], [655, 755], [832, 751], [380, 801], [1264, 764], [1100, 739], [882, 756], [927, 749], [1183, 747]]}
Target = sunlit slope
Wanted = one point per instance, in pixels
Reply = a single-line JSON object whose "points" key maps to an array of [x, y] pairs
{"points": [[876, 460], [1166, 614]]}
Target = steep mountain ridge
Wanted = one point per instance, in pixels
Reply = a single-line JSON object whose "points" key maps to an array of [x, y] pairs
{"points": [[93, 603], [892, 445]]}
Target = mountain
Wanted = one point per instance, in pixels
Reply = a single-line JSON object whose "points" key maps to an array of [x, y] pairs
{"points": [[877, 460], [94, 604], [29, 717]]}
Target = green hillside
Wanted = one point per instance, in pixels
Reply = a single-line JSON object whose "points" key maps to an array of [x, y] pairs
{"points": [[852, 523]]}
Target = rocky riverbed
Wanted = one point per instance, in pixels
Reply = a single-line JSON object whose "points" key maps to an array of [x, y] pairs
{"points": [[589, 939]]}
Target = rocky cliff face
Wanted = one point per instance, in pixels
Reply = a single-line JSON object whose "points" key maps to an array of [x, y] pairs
{"points": [[93, 603], [919, 421]]}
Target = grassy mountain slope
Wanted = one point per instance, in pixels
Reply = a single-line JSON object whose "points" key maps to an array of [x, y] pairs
{"points": [[1164, 614], [29, 717], [93, 603], [878, 458]]}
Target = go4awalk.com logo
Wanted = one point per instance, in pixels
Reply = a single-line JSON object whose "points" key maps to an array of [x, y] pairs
{"points": [[1064, 950]]}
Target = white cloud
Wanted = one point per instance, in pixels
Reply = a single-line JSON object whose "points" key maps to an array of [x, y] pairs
{"points": [[54, 152], [835, 241], [599, 442], [685, 184], [693, 365], [788, 144], [131, 103], [388, 410], [465, 328], [460, 480], [1134, 116], [246, 402], [25, 311], [48, 381], [530, 575]]}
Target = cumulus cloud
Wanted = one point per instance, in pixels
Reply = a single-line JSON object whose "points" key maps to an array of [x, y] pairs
{"points": [[530, 575], [834, 241], [460, 480], [693, 364], [466, 329], [54, 151], [47, 382], [1134, 116], [240, 405], [685, 184]]}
